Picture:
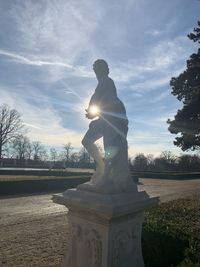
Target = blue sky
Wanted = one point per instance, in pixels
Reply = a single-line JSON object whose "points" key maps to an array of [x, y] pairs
{"points": [[47, 48]]}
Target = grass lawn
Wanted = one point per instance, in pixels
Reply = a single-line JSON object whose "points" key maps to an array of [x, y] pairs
{"points": [[167, 174], [171, 234], [20, 184], [4, 178]]}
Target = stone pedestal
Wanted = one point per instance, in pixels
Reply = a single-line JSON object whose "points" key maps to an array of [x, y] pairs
{"points": [[105, 228]]}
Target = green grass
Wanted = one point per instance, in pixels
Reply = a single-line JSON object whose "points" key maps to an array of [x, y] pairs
{"points": [[171, 234], [9, 178], [167, 175], [167, 172]]}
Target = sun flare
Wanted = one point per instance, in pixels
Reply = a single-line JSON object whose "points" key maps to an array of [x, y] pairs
{"points": [[94, 110]]}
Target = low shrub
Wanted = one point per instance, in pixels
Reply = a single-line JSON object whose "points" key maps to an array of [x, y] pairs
{"points": [[171, 234]]}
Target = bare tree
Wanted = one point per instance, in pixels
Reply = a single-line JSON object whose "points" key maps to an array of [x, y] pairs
{"points": [[150, 161], [37, 149], [7, 151], [169, 157], [140, 162], [10, 125], [43, 155], [166, 161], [84, 156], [29, 150], [53, 154], [67, 151], [19, 145], [74, 157], [189, 162]]}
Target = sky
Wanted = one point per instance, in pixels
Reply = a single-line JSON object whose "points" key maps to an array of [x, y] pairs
{"points": [[47, 49]]}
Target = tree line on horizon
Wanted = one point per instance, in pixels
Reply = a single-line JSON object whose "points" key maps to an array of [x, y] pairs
{"points": [[166, 161], [23, 151]]}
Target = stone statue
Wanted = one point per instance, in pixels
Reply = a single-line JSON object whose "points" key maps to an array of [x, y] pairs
{"points": [[105, 214], [112, 173]]}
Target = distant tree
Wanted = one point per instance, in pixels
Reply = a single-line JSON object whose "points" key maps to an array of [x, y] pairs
{"points": [[43, 155], [10, 126], [38, 150], [140, 162], [160, 164], [168, 156], [166, 161], [186, 87], [184, 162], [195, 162], [74, 157], [150, 161], [53, 154], [67, 151], [189, 163], [7, 151], [84, 156], [29, 150], [61, 156], [19, 145]]}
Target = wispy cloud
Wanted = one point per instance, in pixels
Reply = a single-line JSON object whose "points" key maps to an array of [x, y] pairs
{"points": [[164, 60], [151, 84], [160, 97], [155, 68], [24, 60], [77, 70], [154, 32], [168, 28], [31, 125], [65, 28]]}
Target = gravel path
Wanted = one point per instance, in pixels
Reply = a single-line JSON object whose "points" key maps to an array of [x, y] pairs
{"points": [[33, 229]]}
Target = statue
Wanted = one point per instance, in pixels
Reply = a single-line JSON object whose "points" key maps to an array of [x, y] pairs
{"points": [[112, 173]]}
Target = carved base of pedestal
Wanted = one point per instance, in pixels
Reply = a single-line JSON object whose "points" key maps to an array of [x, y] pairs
{"points": [[105, 229]]}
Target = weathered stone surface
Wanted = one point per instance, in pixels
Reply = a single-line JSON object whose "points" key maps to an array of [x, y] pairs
{"points": [[108, 205], [105, 228]]}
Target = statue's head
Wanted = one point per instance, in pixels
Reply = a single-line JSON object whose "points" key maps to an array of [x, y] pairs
{"points": [[100, 68]]}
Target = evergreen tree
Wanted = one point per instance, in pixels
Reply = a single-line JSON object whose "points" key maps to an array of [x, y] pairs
{"points": [[186, 87]]}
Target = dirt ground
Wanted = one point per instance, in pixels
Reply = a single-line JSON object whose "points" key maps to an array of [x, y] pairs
{"points": [[40, 242], [34, 232]]}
